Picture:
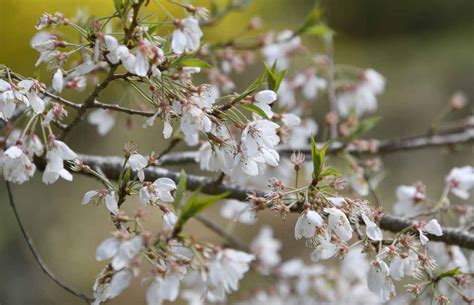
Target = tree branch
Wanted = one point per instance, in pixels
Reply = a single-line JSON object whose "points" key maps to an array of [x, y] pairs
{"points": [[36, 255], [111, 168], [387, 146], [231, 240], [89, 102]]}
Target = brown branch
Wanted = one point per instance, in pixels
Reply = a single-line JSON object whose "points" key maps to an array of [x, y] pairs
{"points": [[385, 146], [36, 255], [89, 102], [111, 168], [119, 108], [231, 240]]}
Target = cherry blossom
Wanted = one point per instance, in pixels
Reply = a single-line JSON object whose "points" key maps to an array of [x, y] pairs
{"points": [[226, 269], [307, 223], [285, 44], [339, 223], [238, 211], [409, 198], [160, 189], [372, 230], [266, 248], [58, 80], [103, 119], [264, 99], [138, 163], [110, 290], [106, 197], [461, 180], [432, 227], [57, 153], [17, 166], [187, 36]]}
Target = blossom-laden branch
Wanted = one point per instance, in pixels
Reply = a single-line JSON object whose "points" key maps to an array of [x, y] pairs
{"points": [[111, 167], [36, 255], [380, 147]]}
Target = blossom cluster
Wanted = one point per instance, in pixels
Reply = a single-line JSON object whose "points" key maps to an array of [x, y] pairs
{"points": [[247, 137]]}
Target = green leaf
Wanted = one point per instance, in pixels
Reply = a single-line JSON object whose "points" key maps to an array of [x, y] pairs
{"points": [[256, 110], [329, 171], [274, 78], [181, 188], [313, 18], [117, 5], [320, 30], [318, 156], [251, 89], [451, 272], [362, 128], [196, 204], [185, 61]]}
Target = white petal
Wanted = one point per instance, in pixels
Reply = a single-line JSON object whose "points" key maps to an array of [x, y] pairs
{"points": [[58, 80], [266, 96], [88, 197], [111, 203], [107, 249], [434, 228]]}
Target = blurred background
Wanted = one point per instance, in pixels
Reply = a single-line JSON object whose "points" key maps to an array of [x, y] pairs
{"points": [[424, 48]]}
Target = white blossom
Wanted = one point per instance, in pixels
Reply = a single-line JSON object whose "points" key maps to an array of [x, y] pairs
{"points": [[239, 211], [264, 99], [408, 201], [138, 163], [371, 229], [266, 248], [461, 181], [58, 80], [17, 166], [307, 223], [58, 152], [361, 99], [339, 223], [310, 83], [325, 248], [106, 197], [169, 220], [379, 282], [194, 118], [160, 189], [107, 291], [10, 96], [281, 49], [187, 36], [432, 227], [103, 119], [226, 269]]}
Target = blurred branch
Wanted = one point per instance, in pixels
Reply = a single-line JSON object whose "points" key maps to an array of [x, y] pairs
{"points": [[36, 255], [447, 138], [231, 240], [111, 168], [89, 102]]}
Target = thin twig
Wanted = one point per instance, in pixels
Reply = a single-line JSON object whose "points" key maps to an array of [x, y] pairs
{"points": [[89, 102], [231, 240], [36, 255]]}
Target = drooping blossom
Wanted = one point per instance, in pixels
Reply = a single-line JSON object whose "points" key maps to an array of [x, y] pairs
{"points": [[103, 119], [160, 189], [307, 224], [187, 36], [17, 166], [461, 181], [57, 153]]}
